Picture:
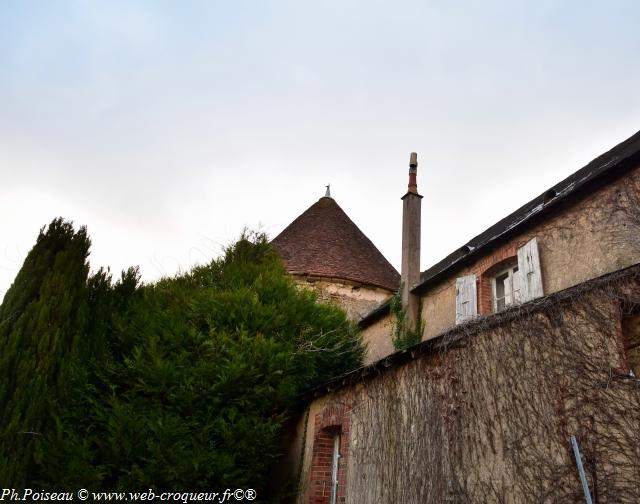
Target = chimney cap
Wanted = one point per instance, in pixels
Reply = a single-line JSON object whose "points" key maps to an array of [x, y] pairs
{"points": [[413, 160]]}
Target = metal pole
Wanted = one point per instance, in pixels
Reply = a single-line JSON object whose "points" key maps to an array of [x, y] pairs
{"points": [[583, 476]]}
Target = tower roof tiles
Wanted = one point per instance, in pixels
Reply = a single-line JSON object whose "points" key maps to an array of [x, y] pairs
{"points": [[323, 241]]}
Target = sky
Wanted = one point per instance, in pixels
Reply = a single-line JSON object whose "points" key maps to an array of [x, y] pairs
{"points": [[167, 127]]}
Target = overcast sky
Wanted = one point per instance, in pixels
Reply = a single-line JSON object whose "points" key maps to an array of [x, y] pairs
{"points": [[166, 127]]}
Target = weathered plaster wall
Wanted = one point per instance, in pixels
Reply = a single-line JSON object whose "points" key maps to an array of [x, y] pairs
{"points": [[378, 338], [435, 307], [354, 298]]}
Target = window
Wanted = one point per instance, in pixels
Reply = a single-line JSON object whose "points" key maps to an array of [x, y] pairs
{"points": [[334, 468], [518, 279], [328, 472], [506, 287], [515, 277]]}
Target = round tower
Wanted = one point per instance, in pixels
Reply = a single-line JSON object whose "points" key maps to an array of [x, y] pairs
{"points": [[326, 251]]}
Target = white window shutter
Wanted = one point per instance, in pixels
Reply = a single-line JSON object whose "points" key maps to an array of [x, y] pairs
{"points": [[508, 290], [529, 269], [517, 287], [466, 298]]}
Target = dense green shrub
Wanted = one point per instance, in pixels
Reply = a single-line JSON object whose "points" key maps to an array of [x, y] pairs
{"points": [[186, 383]]}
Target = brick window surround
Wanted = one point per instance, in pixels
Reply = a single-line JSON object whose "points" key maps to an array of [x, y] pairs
{"points": [[333, 419], [485, 270]]}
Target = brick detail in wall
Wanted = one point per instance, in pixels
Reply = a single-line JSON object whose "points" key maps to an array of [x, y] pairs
{"points": [[333, 419]]}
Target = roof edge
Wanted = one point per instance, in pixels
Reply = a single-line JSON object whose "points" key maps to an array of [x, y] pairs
{"points": [[621, 156], [376, 314]]}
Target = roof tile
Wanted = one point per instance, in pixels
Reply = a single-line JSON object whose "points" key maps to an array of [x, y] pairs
{"points": [[325, 242]]}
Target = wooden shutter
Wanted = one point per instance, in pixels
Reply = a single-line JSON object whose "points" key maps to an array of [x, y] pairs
{"points": [[530, 273], [517, 287], [466, 298], [508, 290]]}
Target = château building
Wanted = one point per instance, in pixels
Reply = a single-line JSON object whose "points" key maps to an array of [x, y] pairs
{"points": [[523, 387]]}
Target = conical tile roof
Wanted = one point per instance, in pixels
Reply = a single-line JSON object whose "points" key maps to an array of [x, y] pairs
{"points": [[325, 242]]}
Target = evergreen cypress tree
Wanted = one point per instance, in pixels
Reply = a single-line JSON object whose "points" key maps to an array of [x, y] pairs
{"points": [[41, 318]]}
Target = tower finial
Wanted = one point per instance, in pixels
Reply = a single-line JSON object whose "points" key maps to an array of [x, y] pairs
{"points": [[328, 193]]}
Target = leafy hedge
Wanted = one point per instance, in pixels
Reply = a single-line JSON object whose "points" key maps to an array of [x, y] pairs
{"points": [[182, 384]]}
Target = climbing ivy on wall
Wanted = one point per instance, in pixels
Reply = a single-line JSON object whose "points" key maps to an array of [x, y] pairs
{"points": [[403, 335], [484, 413]]}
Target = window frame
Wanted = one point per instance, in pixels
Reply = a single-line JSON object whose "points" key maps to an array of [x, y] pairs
{"points": [[335, 467], [510, 271]]}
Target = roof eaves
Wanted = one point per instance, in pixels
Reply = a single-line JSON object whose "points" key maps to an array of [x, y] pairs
{"points": [[375, 314]]}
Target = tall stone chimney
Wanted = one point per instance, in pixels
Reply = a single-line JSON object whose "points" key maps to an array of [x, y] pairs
{"points": [[410, 270]]}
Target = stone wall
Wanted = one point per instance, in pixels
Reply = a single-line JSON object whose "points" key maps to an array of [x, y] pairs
{"points": [[484, 413]]}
